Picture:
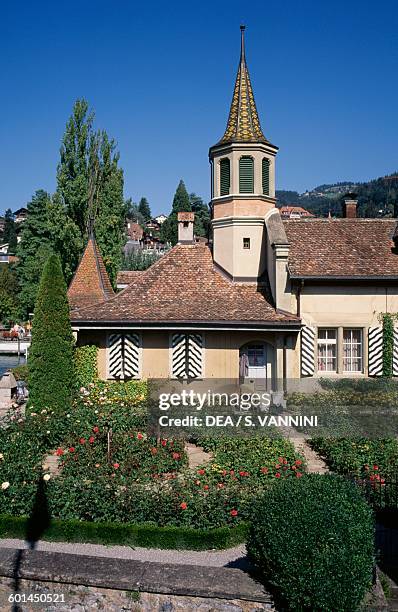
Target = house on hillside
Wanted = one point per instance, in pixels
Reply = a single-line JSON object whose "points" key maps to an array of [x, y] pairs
{"points": [[272, 300], [160, 218], [294, 212], [20, 215]]}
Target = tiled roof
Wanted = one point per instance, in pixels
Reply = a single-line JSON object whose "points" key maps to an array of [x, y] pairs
{"points": [[243, 122], [125, 277], [351, 248], [287, 210], [90, 283], [184, 286], [186, 216]]}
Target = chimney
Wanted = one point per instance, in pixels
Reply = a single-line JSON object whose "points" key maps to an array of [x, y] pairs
{"points": [[185, 227], [350, 206]]}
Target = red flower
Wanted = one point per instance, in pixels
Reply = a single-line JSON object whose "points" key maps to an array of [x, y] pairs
{"points": [[95, 429], [234, 512], [176, 455], [206, 487], [183, 506], [224, 472], [116, 465], [277, 465], [164, 442], [277, 475], [139, 436], [82, 441], [91, 439], [232, 472], [280, 459], [264, 470], [201, 472], [72, 449], [154, 451], [59, 452], [242, 473], [375, 467], [298, 462], [298, 474]]}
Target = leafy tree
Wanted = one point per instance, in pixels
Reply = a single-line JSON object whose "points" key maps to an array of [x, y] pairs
{"points": [[144, 209], [181, 203], [202, 222], [138, 260], [51, 369], [133, 213], [90, 184], [10, 234], [9, 290]]}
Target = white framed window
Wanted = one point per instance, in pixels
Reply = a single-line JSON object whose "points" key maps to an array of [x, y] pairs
{"points": [[327, 350], [352, 350]]}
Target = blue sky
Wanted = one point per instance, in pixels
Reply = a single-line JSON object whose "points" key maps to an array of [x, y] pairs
{"points": [[159, 76]]}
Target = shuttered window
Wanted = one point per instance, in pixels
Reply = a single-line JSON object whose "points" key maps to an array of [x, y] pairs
{"points": [[124, 356], [187, 355], [246, 174], [265, 173], [225, 176]]}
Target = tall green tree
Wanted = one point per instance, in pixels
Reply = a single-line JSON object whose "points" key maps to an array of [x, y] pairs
{"points": [[202, 215], [47, 229], [90, 184], [51, 372], [9, 294], [181, 203], [145, 209], [10, 233]]}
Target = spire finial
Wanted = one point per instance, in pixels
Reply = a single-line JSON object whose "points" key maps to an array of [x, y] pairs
{"points": [[242, 42]]}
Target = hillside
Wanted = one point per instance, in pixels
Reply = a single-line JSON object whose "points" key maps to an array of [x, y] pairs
{"points": [[376, 198]]}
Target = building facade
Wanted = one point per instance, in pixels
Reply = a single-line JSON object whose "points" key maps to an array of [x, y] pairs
{"points": [[270, 301]]}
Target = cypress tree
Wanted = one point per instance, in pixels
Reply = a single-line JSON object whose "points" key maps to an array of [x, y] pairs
{"points": [[51, 353], [145, 209], [181, 203]]}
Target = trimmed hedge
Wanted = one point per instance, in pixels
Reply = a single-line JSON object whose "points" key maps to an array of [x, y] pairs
{"points": [[313, 541], [146, 535], [85, 363]]}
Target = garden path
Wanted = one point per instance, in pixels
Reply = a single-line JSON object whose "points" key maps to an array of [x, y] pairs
{"points": [[196, 455], [231, 557]]}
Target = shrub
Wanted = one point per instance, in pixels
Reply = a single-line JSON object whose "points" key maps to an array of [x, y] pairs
{"points": [[313, 541], [50, 360], [21, 372], [85, 362]]}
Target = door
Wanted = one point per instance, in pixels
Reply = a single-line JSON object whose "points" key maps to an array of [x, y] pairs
{"points": [[258, 364]]}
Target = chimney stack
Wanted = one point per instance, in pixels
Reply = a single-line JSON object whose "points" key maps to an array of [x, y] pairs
{"points": [[350, 206], [185, 227]]}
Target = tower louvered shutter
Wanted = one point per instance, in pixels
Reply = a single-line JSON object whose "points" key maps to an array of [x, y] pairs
{"points": [[395, 353], [124, 356], [225, 176], [308, 351], [246, 174], [265, 175], [187, 355], [375, 351]]}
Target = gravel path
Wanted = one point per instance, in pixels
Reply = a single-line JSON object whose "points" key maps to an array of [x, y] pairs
{"points": [[232, 557]]}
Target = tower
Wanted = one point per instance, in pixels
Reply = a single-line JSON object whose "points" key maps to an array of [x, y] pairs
{"points": [[242, 184]]}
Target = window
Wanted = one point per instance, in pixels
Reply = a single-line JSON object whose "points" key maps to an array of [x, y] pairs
{"points": [[246, 174], [327, 350], [225, 176], [124, 356], [352, 350], [246, 243], [265, 175], [186, 355]]}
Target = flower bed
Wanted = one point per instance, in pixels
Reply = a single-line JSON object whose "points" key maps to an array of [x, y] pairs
{"points": [[110, 470]]}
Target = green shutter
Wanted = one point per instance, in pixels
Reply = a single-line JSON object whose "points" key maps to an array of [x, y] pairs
{"points": [[265, 176], [246, 175], [224, 176]]}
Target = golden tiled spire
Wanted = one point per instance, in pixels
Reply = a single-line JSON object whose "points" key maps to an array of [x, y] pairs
{"points": [[243, 122]]}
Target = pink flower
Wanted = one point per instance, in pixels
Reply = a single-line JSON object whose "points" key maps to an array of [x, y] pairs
{"points": [[139, 436], [277, 475], [96, 429], [82, 441], [72, 449], [116, 465], [176, 455], [59, 452], [234, 512], [91, 439], [183, 506]]}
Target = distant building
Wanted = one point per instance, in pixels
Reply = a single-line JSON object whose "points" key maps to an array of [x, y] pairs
{"points": [[294, 212], [134, 230], [20, 215], [2, 224], [160, 218]]}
